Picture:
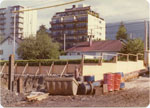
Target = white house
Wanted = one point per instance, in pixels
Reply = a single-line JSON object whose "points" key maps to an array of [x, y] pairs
{"points": [[6, 48], [94, 49]]}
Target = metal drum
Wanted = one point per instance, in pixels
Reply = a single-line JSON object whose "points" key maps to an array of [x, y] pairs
{"points": [[89, 78], [109, 80], [85, 88], [117, 80], [122, 83]]}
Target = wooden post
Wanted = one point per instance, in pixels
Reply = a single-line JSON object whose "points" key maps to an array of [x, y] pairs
{"points": [[127, 57], [40, 68], [100, 61], [137, 58], [20, 85], [67, 67], [11, 72], [82, 64]]}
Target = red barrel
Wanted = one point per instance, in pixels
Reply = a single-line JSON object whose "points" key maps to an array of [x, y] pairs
{"points": [[109, 80], [117, 81]]}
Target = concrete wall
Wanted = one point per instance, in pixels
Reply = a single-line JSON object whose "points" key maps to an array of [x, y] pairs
{"points": [[88, 69], [120, 66]]}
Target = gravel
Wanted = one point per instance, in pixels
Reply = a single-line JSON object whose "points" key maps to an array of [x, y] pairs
{"points": [[136, 94], [9, 98]]}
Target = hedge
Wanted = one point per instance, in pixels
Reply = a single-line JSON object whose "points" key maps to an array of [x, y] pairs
{"points": [[48, 62]]}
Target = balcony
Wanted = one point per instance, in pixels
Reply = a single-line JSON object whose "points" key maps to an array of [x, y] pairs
{"points": [[2, 13], [69, 28], [2, 23], [2, 18], [65, 22]]}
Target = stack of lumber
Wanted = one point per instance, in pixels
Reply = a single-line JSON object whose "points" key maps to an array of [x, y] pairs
{"points": [[37, 96]]}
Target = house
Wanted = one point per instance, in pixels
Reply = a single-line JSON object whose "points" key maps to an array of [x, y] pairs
{"points": [[94, 49], [6, 47]]}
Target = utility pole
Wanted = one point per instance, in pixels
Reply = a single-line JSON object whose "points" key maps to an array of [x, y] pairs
{"points": [[64, 42], [14, 34], [146, 49], [131, 36]]}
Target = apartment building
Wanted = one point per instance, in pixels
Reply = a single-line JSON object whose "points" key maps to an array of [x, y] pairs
{"points": [[25, 23], [77, 24]]}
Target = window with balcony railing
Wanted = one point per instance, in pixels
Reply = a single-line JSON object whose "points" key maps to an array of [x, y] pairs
{"points": [[82, 18], [81, 25], [69, 26]]}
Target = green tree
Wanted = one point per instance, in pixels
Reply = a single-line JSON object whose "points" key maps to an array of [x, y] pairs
{"points": [[122, 33], [42, 30], [27, 49], [41, 47], [133, 46]]}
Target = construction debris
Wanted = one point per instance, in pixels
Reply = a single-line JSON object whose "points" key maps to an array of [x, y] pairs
{"points": [[37, 96]]}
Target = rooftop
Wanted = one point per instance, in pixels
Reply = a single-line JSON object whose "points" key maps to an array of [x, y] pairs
{"points": [[107, 45]]}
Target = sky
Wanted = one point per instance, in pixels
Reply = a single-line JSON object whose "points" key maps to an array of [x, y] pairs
{"points": [[110, 10]]}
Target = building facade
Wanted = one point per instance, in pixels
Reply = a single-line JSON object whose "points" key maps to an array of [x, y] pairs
{"points": [[26, 22], [77, 24]]}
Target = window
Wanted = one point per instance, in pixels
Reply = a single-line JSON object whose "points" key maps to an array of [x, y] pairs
{"points": [[1, 52]]}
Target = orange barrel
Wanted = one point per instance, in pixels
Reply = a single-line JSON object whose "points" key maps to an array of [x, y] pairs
{"points": [[117, 80], [109, 80]]}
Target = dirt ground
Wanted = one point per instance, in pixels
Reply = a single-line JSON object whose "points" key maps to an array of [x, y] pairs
{"points": [[136, 94]]}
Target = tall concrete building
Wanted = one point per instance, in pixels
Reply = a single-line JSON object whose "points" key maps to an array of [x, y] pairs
{"points": [[26, 22], [77, 24]]}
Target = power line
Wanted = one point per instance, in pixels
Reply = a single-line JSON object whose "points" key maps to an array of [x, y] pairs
{"points": [[42, 3], [48, 6]]}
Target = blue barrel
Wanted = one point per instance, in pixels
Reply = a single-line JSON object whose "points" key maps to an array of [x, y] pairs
{"points": [[89, 78], [122, 84]]}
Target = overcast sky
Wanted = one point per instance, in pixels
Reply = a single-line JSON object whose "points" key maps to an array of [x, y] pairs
{"points": [[110, 10]]}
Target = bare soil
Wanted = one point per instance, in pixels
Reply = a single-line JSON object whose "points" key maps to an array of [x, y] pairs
{"points": [[136, 94]]}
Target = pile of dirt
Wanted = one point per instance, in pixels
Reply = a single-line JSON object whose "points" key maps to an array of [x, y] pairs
{"points": [[9, 98]]}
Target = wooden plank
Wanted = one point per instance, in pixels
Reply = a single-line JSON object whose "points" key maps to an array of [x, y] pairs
{"points": [[3, 68], [50, 70], [37, 97], [37, 72], [24, 70], [105, 88], [63, 70]]}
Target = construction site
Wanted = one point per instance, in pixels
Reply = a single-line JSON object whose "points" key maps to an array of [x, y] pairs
{"points": [[96, 85], [107, 80]]}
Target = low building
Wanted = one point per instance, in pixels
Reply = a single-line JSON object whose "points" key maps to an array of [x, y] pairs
{"points": [[94, 49], [6, 48]]}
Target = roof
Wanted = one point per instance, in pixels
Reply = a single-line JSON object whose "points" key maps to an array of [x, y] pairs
{"points": [[105, 46], [18, 40]]}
